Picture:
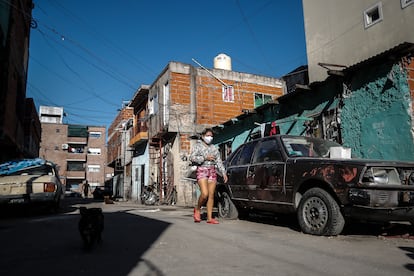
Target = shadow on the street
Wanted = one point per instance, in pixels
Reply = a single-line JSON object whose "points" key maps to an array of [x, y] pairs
{"points": [[410, 253], [282, 220], [352, 228], [389, 230], [51, 245], [67, 205]]}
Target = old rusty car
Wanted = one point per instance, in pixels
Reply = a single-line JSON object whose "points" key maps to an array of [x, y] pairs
{"points": [[30, 181], [302, 175]]}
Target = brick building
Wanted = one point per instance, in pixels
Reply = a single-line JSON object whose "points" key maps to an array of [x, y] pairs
{"points": [[183, 101], [119, 155], [78, 150], [19, 129]]}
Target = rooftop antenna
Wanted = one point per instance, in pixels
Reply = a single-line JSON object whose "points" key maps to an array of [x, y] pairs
{"points": [[211, 73]]}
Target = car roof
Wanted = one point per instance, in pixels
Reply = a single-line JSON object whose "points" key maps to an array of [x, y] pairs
{"points": [[14, 166]]}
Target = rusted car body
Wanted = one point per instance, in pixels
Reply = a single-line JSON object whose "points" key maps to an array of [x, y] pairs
{"points": [[30, 181], [296, 174]]}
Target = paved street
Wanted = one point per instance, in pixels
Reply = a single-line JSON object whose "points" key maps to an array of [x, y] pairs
{"points": [[163, 240]]}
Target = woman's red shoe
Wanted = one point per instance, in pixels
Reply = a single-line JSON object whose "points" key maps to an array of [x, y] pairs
{"points": [[212, 221], [196, 215]]}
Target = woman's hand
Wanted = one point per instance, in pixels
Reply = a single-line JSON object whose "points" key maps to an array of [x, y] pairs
{"points": [[210, 157], [225, 178]]}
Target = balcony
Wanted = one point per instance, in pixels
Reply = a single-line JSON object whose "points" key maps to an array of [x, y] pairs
{"points": [[138, 138], [76, 156], [78, 140], [75, 174]]}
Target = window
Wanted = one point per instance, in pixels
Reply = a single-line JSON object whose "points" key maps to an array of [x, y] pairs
{"points": [[77, 131], [373, 15], [57, 130], [94, 168], [94, 151], [261, 99], [246, 154], [268, 151], [166, 104], [406, 3], [72, 148], [235, 157], [95, 134], [153, 105], [228, 93], [75, 166]]}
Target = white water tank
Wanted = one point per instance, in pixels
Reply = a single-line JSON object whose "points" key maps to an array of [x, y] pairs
{"points": [[222, 61]]}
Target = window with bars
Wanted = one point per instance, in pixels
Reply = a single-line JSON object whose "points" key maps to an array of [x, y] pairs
{"points": [[228, 93]]}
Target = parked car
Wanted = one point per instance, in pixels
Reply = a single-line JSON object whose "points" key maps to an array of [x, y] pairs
{"points": [[30, 181], [72, 193], [296, 174]]}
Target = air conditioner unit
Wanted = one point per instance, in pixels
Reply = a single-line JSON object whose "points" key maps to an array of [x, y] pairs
{"points": [[65, 146]]}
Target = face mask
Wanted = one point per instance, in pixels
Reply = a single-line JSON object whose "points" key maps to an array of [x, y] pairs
{"points": [[208, 139]]}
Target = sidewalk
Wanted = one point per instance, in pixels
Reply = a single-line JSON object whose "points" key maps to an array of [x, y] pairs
{"points": [[137, 205]]}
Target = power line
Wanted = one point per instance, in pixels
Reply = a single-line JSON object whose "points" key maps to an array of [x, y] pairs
{"points": [[252, 33], [95, 33], [64, 38], [62, 59], [73, 84]]}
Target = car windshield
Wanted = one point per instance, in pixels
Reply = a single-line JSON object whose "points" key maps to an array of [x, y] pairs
{"points": [[307, 146]]}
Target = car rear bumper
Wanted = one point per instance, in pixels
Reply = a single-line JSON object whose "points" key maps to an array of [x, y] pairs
{"points": [[28, 198]]}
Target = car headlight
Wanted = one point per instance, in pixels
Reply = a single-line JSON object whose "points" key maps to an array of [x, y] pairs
{"points": [[381, 176]]}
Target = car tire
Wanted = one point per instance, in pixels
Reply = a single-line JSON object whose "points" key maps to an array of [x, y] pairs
{"points": [[226, 207], [319, 214]]}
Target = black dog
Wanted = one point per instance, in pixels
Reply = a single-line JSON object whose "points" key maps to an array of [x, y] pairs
{"points": [[91, 225]]}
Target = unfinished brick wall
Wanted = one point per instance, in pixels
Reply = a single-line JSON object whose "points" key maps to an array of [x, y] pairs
{"points": [[180, 88], [185, 143], [114, 135], [211, 109]]}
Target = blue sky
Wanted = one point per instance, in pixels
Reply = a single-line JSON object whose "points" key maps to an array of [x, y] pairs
{"points": [[90, 56]]}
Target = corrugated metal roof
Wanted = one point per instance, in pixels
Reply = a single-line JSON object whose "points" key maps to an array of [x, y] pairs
{"points": [[392, 54]]}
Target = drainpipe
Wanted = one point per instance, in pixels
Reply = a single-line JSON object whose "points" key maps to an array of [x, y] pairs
{"points": [[161, 172], [193, 96]]}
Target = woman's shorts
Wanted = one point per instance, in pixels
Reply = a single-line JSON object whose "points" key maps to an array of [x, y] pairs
{"points": [[209, 172]]}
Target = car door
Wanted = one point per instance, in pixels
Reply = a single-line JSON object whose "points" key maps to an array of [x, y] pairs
{"points": [[266, 172], [237, 171]]}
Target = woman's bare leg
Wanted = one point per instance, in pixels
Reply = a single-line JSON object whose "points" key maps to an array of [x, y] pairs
{"points": [[203, 184], [211, 186]]}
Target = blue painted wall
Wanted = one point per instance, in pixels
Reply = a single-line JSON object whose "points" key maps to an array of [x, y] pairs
{"points": [[375, 115], [376, 119]]}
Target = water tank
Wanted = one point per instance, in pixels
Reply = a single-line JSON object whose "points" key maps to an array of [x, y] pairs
{"points": [[222, 61]]}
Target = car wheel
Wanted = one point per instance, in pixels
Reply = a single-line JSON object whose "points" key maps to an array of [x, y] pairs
{"points": [[226, 207], [319, 214]]}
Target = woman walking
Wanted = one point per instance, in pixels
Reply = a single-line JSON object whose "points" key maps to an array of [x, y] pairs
{"points": [[207, 158]]}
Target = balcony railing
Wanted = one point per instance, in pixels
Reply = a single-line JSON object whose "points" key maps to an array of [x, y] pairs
{"points": [[139, 137], [76, 156], [75, 174], [77, 140]]}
